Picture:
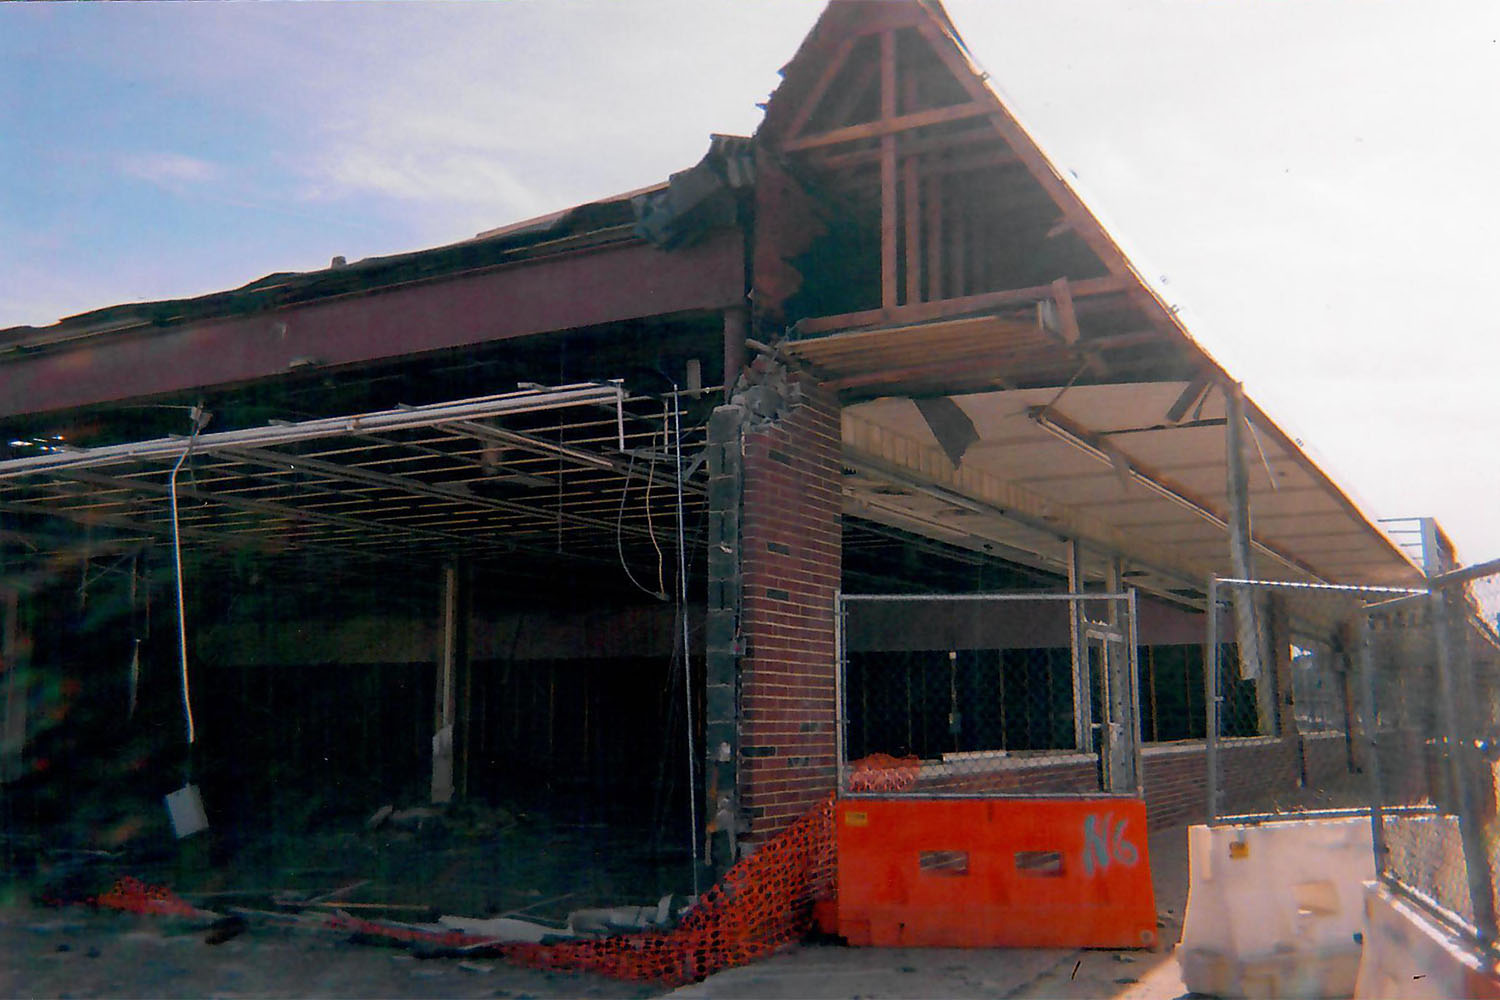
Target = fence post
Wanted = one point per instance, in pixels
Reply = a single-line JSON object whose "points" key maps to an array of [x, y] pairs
{"points": [[1460, 749], [1122, 732], [840, 692], [1083, 709], [1137, 763], [1366, 668], [1211, 700]]}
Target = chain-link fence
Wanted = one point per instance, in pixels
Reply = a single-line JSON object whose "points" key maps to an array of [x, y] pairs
{"points": [[1281, 700], [988, 694], [1433, 695], [1385, 700]]}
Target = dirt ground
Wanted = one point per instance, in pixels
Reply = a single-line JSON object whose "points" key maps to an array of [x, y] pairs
{"points": [[76, 951]]}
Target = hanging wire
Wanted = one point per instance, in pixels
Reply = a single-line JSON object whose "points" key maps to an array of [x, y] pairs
{"points": [[661, 580], [200, 420], [660, 595], [135, 634]]}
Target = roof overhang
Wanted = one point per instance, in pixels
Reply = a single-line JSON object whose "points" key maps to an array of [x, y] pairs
{"points": [[1028, 469]]}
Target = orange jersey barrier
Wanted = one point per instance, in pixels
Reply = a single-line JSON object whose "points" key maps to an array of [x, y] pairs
{"points": [[971, 873]]}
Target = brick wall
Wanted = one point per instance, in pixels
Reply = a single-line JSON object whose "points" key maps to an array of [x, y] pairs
{"points": [[1072, 773], [790, 558], [1257, 773]]}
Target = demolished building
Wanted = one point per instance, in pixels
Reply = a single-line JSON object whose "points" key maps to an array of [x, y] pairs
{"points": [[563, 513]]}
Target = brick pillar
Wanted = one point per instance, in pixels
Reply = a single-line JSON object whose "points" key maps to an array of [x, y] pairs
{"points": [[790, 567]]}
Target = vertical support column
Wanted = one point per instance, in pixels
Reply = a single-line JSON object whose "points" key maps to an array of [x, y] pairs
{"points": [[1083, 704], [911, 199], [1247, 623], [1279, 660], [934, 213], [791, 560], [1454, 694], [1366, 667], [1434, 559], [444, 702], [1342, 642], [722, 639], [1119, 700], [736, 329], [15, 649], [1211, 701], [1133, 685], [889, 291], [469, 738]]}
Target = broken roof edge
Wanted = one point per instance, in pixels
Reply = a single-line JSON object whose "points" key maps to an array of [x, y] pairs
{"points": [[623, 217]]}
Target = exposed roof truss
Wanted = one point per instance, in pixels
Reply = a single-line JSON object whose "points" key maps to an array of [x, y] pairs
{"points": [[579, 472]]}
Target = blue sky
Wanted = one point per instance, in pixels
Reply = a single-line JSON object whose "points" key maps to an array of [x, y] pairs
{"points": [[1311, 182]]}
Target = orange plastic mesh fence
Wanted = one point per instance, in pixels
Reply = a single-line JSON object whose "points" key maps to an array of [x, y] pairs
{"points": [[880, 772], [135, 896], [763, 903]]}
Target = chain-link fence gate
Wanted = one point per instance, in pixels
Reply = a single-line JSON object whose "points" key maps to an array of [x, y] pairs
{"points": [[988, 694]]}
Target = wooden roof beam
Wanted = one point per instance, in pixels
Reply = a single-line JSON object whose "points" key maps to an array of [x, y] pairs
{"points": [[926, 311], [888, 126], [819, 90]]}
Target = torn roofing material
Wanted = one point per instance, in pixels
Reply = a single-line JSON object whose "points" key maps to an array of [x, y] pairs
{"points": [[673, 214]]}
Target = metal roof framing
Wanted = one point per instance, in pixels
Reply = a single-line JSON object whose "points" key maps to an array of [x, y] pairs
{"points": [[573, 472]]}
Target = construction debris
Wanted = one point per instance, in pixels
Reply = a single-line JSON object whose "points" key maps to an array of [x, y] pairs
{"points": [[508, 929], [609, 920], [382, 814]]}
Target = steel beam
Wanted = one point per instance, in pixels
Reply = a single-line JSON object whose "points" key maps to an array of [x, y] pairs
{"points": [[565, 292]]}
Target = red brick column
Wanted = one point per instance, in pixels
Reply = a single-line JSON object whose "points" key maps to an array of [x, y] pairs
{"points": [[791, 556]]}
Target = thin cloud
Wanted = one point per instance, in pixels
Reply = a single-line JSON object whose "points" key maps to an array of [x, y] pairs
{"points": [[435, 174], [170, 170]]}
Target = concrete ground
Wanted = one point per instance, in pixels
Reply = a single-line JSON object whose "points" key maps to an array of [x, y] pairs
{"points": [[74, 951], [822, 971]]}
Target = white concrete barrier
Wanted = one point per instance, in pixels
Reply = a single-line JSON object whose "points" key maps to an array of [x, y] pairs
{"points": [[1408, 956], [1275, 909]]}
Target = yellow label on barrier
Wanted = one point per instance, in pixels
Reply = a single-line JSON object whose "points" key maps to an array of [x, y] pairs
{"points": [[856, 819], [1239, 849]]}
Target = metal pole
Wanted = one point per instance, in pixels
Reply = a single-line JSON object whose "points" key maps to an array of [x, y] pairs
{"points": [[687, 662], [1083, 711], [1135, 700], [840, 713], [1366, 667], [1460, 748], [443, 701], [1211, 700], [1116, 699], [1253, 665]]}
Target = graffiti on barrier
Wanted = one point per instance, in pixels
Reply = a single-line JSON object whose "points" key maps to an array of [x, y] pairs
{"points": [[1104, 843]]}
